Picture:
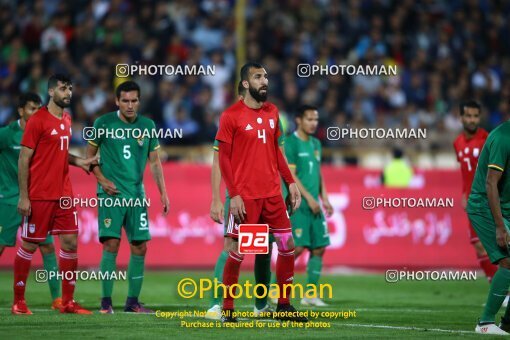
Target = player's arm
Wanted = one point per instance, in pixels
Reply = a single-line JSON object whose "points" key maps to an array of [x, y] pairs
{"points": [[83, 163], [491, 185], [157, 174], [283, 168], [312, 203], [24, 159], [237, 208], [107, 185], [324, 196], [216, 211]]}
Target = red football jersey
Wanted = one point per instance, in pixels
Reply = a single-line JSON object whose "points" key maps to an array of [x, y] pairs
{"points": [[253, 134], [467, 151], [49, 137]]}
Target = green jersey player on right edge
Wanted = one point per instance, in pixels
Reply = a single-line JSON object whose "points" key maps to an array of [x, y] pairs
{"points": [[488, 209], [120, 175]]}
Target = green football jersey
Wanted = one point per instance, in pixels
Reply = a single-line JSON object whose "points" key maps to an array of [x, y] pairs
{"points": [[123, 157], [281, 141], [10, 139], [305, 157], [495, 155]]}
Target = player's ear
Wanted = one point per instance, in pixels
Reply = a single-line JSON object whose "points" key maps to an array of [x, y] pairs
{"points": [[117, 101], [51, 91], [245, 83], [20, 112]]}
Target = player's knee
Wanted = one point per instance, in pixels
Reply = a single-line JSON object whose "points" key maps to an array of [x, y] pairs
{"points": [[505, 263], [32, 247], [227, 244], [111, 245], [480, 250], [236, 255], [47, 248], [318, 252], [298, 251], [139, 248], [69, 242]]}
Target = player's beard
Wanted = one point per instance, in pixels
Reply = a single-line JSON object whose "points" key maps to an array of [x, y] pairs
{"points": [[470, 129], [259, 97], [61, 103]]}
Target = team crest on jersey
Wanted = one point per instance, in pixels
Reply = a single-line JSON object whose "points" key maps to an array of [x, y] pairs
{"points": [[140, 141], [271, 123], [31, 228], [476, 152], [298, 232], [317, 155], [1, 229], [107, 222]]}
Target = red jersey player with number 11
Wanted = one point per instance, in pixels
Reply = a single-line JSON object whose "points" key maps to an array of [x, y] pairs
{"points": [[251, 163], [43, 178], [468, 147]]}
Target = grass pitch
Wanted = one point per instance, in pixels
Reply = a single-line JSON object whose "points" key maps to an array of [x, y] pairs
{"points": [[425, 309]]}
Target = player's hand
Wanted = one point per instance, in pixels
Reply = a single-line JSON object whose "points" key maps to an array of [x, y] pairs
{"points": [[502, 237], [464, 202], [295, 197], [328, 207], [108, 186], [24, 208], [166, 204], [216, 211], [85, 163], [237, 209]]}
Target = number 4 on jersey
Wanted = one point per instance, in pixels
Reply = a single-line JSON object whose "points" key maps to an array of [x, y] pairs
{"points": [[262, 134]]}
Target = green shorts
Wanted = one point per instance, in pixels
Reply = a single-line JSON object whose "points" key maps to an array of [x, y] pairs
{"points": [[309, 230], [10, 221], [134, 220], [483, 223], [225, 220]]}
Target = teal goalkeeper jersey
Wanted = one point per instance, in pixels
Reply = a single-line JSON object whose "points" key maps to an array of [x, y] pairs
{"points": [[10, 139], [122, 156]]}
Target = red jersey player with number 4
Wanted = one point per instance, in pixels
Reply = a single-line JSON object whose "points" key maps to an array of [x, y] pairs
{"points": [[43, 180], [468, 147], [251, 163]]}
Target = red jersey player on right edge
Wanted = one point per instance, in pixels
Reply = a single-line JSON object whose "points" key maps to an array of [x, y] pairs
{"points": [[43, 180], [251, 163], [468, 147]]}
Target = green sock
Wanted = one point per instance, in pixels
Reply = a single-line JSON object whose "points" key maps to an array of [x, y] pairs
{"points": [[50, 265], [314, 269], [135, 275], [218, 275], [497, 293], [108, 265], [262, 276]]}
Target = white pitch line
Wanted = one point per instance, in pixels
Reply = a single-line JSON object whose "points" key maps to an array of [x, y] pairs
{"points": [[404, 328]]}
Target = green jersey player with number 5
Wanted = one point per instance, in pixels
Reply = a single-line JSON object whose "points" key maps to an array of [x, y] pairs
{"points": [[123, 156]]}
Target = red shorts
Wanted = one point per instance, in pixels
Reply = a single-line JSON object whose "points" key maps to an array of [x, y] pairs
{"points": [[48, 217], [473, 237], [270, 210]]}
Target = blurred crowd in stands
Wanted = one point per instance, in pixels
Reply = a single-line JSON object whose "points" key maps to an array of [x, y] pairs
{"points": [[446, 51]]}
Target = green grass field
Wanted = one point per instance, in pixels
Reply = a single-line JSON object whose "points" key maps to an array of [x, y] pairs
{"points": [[423, 309]]}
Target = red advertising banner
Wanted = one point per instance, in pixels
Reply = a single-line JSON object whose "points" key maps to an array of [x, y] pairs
{"points": [[410, 234]]}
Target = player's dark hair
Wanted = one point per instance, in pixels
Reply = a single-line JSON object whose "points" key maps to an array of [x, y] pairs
{"points": [[28, 97], [127, 86], [241, 91], [300, 113], [54, 79], [472, 104], [245, 70]]}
